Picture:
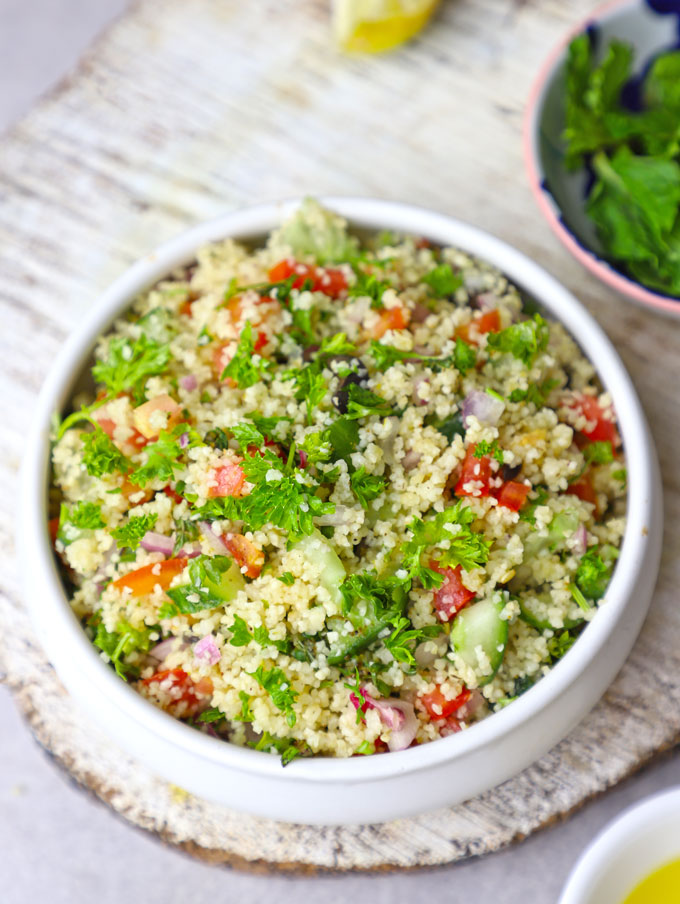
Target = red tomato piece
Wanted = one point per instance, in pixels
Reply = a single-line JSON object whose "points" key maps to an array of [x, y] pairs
{"points": [[396, 318], [513, 494], [142, 580], [229, 480], [489, 322], [173, 494], [245, 553], [477, 470], [604, 428], [452, 595], [135, 439], [53, 528], [328, 280], [437, 705], [261, 341], [584, 489], [177, 693]]}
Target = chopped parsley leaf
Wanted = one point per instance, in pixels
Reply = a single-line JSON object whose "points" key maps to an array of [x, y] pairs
{"points": [[366, 486], [245, 368], [524, 340], [528, 512], [129, 363], [483, 448], [121, 642], [162, 457], [463, 358], [599, 453], [592, 575], [282, 495], [286, 578], [466, 548], [101, 455], [443, 281], [247, 434], [535, 393], [131, 533], [240, 633], [311, 388], [84, 516], [277, 684], [404, 638], [560, 644], [245, 715], [211, 715], [362, 402], [368, 285]]}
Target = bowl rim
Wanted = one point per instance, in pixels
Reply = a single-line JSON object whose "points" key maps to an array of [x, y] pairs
{"points": [[544, 198], [628, 825], [56, 623]]}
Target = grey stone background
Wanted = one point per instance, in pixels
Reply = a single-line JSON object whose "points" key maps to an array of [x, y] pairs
{"points": [[60, 847]]}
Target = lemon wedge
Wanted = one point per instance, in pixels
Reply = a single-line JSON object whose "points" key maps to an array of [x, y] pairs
{"points": [[373, 26]]}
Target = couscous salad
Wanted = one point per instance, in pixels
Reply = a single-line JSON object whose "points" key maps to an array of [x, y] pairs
{"points": [[336, 496]]}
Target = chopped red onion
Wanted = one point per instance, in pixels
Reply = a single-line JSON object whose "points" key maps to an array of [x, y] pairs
{"points": [[471, 705], [216, 543], [581, 537], [207, 649], [485, 407], [184, 440], [417, 382], [163, 649], [153, 542], [420, 313], [189, 551], [397, 715], [189, 382], [410, 460], [487, 301], [303, 458]]}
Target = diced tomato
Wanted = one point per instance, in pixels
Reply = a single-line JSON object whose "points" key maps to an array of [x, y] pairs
{"points": [[438, 707], [396, 318], [135, 440], [474, 469], [604, 427], [245, 553], [229, 480], [452, 595], [185, 308], [177, 693], [173, 494], [220, 358], [128, 489], [142, 580], [328, 280], [513, 494], [489, 322], [261, 341], [142, 415], [584, 489], [423, 243], [53, 528]]}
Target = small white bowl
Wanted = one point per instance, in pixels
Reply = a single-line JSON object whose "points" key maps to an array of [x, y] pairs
{"points": [[641, 840], [361, 789], [559, 193]]}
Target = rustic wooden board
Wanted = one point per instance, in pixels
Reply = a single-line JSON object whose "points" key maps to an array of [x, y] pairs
{"points": [[189, 108]]}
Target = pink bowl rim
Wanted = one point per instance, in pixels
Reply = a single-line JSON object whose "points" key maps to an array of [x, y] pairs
{"points": [[548, 207]]}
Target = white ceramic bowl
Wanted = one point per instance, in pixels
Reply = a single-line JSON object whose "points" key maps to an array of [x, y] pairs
{"points": [[360, 789], [649, 26], [641, 840]]}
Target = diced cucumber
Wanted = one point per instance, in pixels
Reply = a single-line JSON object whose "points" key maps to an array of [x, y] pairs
{"points": [[533, 612], [481, 625], [315, 548], [231, 581], [562, 526]]}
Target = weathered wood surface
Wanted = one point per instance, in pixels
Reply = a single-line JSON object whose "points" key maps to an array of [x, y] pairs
{"points": [[189, 108]]}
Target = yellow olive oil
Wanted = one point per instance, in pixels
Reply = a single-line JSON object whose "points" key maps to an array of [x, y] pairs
{"points": [[661, 887]]}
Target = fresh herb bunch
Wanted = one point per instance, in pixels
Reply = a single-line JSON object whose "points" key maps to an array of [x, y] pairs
{"points": [[634, 157]]}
